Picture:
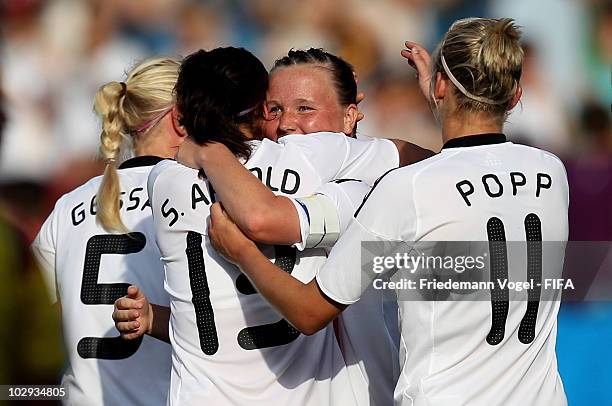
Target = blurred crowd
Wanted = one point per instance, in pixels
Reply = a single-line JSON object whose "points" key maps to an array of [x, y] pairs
{"points": [[55, 53]]}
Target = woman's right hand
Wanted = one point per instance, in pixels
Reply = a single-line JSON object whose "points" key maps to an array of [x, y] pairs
{"points": [[133, 315], [420, 60]]}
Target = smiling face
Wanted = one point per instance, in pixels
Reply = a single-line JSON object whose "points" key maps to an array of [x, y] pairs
{"points": [[302, 99]]}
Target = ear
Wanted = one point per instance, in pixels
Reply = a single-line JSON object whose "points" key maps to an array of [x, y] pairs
{"points": [[440, 87], [350, 119], [516, 97], [180, 130]]}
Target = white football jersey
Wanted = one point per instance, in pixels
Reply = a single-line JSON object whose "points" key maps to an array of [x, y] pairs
{"points": [[368, 330], [230, 347], [479, 188], [87, 269]]}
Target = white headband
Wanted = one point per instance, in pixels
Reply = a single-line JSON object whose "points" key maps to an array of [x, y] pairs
{"points": [[464, 90]]}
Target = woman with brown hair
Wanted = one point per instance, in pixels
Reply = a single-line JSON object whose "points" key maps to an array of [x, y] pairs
{"points": [[480, 187]]}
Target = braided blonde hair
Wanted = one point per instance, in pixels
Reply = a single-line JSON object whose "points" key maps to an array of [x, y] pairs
{"points": [[125, 109], [483, 58]]}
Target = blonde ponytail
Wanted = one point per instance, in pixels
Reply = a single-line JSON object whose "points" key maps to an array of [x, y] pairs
{"points": [[125, 109], [501, 56], [108, 104], [483, 58]]}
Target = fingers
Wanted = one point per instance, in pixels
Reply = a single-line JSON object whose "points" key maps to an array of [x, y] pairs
{"points": [[125, 315], [417, 57], [126, 303], [126, 323], [126, 318], [216, 210], [359, 98], [131, 336], [127, 327], [218, 213], [186, 152], [129, 331], [133, 291]]}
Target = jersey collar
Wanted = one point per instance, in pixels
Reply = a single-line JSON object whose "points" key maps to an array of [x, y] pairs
{"points": [[475, 140], [146, 160]]}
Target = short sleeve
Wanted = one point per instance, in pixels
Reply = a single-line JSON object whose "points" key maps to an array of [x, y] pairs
{"points": [[304, 223], [341, 278], [347, 195], [387, 215], [325, 152], [43, 248], [341, 197], [154, 174], [368, 160]]}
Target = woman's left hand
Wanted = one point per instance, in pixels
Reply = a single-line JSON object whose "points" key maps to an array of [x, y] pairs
{"points": [[189, 154], [226, 237]]}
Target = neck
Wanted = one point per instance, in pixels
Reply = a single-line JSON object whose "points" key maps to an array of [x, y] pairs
{"points": [[153, 144], [462, 124]]}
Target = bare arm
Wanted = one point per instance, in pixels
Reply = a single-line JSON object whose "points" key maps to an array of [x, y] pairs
{"points": [[410, 153], [261, 214], [303, 305]]}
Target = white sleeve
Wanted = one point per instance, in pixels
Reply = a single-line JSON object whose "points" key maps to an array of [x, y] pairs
{"points": [[336, 156], [341, 277], [157, 169], [329, 211], [387, 216], [368, 160], [43, 248], [347, 195], [304, 223]]}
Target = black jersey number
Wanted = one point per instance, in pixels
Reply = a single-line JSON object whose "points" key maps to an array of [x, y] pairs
{"points": [[94, 293], [249, 338], [499, 270], [272, 334]]}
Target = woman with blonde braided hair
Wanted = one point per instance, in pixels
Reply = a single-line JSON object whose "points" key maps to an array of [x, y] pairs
{"points": [[131, 111], [111, 214]]}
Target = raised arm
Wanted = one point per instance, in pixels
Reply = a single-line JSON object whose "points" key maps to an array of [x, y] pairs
{"points": [[261, 214]]}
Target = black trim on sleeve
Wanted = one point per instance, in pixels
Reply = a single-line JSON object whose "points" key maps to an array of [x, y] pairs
{"points": [[145, 160], [475, 140], [371, 190], [339, 181]]}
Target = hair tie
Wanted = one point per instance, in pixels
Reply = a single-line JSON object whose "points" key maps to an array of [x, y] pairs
{"points": [[123, 87], [153, 121], [109, 161]]}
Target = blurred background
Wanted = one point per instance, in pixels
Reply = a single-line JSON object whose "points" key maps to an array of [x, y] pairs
{"points": [[54, 54]]}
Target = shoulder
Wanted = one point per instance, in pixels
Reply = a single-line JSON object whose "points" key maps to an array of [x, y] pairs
{"points": [[160, 167], [351, 191], [326, 136], [169, 173], [313, 142], [542, 158], [85, 191]]}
